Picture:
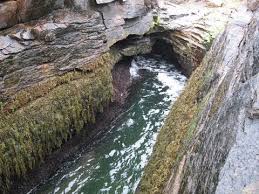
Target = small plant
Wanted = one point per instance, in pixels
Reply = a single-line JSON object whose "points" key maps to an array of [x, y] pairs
{"points": [[156, 21], [208, 40]]}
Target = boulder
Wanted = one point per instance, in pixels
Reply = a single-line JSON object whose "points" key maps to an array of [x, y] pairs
{"points": [[8, 11]]}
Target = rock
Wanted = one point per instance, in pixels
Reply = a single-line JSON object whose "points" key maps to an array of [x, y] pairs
{"points": [[104, 1], [193, 27], [252, 188], [113, 15], [137, 46], [8, 11], [253, 4], [215, 3], [133, 9], [29, 10], [54, 59], [209, 143], [121, 20], [79, 4], [65, 40], [59, 4]]}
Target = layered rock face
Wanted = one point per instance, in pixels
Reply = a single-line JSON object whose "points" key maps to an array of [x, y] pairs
{"points": [[56, 58], [33, 52], [55, 71], [192, 26], [209, 143]]}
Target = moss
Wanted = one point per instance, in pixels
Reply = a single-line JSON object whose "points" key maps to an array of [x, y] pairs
{"points": [[54, 111], [176, 134], [22, 98], [156, 21]]}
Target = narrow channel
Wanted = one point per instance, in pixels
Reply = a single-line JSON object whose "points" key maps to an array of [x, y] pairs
{"points": [[115, 162]]}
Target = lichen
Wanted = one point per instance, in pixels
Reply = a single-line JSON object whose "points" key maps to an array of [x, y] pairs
{"points": [[45, 116], [176, 133]]}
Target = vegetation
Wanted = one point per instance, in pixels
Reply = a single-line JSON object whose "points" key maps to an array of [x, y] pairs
{"points": [[177, 132], [45, 116]]}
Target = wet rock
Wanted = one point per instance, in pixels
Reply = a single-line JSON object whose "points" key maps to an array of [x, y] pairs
{"points": [[60, 45]]}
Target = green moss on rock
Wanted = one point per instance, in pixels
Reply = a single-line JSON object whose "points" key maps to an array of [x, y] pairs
{"points": [[47, 115], [176, 134]]}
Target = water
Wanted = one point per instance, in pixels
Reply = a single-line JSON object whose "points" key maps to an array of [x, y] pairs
{"points": [[115, 162]]}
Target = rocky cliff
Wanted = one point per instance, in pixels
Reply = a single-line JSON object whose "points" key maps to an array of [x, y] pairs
{"points": [[56, 61], [209, 143], [55, 72]]}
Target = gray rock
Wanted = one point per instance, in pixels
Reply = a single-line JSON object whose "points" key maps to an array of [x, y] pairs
{"points": [[223, 155], [81, 4], [133, 8], [193, 28], [64, 40]]}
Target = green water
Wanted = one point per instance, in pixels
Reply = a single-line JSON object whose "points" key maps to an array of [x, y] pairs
{"points": [[115, 162]]}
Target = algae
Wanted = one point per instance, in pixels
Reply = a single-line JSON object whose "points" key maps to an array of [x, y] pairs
{"points": [[40, 119], [176, 134]]}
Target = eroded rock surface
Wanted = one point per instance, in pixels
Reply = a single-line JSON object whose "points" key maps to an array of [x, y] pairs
{"points": [[193, 27], [64, 40], [58, 53], [49, 62], [209, 143]]}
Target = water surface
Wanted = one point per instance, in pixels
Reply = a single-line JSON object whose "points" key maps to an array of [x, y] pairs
{"points": [[115, 162]]}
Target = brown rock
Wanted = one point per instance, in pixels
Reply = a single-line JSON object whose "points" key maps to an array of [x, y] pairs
{"points": [[29, 10], [8, 14]]}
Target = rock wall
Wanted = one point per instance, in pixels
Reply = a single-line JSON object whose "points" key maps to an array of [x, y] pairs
{"points": [[209, 143], [55, 71], [192, 26], [61, 52], [64, 40]]}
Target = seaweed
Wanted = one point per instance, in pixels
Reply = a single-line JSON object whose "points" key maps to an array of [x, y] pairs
{"points": [[41, 118]]}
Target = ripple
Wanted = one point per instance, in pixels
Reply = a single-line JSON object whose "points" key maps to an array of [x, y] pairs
{"points": [[116, 162]]}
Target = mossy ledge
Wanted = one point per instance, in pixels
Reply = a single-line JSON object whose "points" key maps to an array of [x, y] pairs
{"points": [[177, 131], [40, 121]]}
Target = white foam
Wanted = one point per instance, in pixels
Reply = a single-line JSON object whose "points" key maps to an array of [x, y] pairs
{"points": [[134, 70]]}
